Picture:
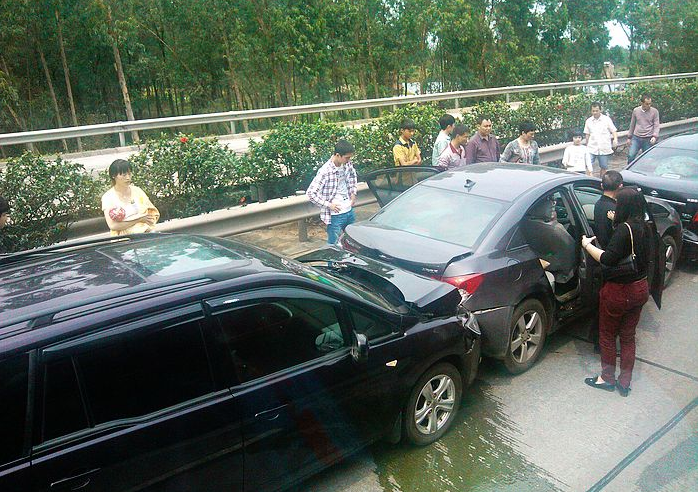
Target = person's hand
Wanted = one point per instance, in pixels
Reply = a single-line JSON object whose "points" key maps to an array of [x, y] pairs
{"points": [[653, 140], [611, 214], [586, 241], [588, 173], [334, 207], [151, 220], [615, 141]]}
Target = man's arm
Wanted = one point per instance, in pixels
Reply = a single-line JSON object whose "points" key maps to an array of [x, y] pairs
{"points": [[655, 126], [470, 152], [313, 191], [631, 128], [587, 163]]}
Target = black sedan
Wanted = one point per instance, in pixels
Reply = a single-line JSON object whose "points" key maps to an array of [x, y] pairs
{"points": [[484, 228], [669, 170], [176, 362]]}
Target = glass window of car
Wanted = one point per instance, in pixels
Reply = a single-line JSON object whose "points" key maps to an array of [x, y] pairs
{"points": [[370, 325], [668, 163], [587, 197], [63, 408], [14, 380], [444, 215], [272, 335], [141, 373]]}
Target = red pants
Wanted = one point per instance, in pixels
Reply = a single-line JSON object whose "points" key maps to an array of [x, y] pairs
{"points": [[619, 312]]}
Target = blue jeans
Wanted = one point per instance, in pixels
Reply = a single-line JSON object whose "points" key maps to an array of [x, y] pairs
{"points": [[603, 160], [637, 144], [337, 225]]}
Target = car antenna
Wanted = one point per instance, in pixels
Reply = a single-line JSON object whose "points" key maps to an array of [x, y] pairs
{"points": [[469, 183]]}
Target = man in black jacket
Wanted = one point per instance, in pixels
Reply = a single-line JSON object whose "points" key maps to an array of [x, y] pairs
{"points": [[604, 209]]}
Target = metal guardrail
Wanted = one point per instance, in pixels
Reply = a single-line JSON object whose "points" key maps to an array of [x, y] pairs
{"points": [[123, 127], [278, 211]]}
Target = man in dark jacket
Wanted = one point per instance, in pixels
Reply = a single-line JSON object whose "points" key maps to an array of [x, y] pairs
{"points": [[604, 209]]}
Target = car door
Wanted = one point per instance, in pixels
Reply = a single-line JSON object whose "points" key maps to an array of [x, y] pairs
{"points": [[386, 184], [136, 407], [15, 471], [305, 401]]}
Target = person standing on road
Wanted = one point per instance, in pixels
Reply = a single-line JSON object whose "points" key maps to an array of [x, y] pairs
{"points": [[454, 154], [599, 129], [576, 157], [406, 151], [625, 289], [483, 147], [446, 122], [127, 209], [334, 190], [523, 150], [644, 127]]}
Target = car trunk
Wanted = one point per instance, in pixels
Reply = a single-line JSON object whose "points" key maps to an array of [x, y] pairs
{"points": [[425, 295], [402, 248]]}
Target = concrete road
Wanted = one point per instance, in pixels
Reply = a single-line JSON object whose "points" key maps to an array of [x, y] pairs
{"points": [[546, 430]]}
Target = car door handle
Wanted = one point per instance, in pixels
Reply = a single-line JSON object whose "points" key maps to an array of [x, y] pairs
{"points": [[76, 482], [271, 414]]}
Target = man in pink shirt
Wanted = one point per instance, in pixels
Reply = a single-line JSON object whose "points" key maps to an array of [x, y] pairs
{"points": [[454, 153], [644, 127]]}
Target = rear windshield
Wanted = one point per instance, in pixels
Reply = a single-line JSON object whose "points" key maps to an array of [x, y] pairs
{"points": [[444, 215], [668, 163]]}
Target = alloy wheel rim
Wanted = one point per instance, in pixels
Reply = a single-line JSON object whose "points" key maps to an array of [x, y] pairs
{"points": [[435, 404], [669, 264], [526, 337]]}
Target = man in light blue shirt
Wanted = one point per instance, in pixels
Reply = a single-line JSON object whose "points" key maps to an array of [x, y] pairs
{"points": [[446, 122]]}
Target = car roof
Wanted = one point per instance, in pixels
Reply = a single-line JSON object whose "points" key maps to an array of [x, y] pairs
{"points": [[68, 275], [500, 181], [688, 141]]}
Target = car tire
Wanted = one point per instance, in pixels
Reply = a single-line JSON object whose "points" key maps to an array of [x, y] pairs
{"points": [[527, 335], [428, 415], [671, 258]]}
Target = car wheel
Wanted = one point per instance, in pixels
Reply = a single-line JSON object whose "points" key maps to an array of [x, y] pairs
{"points": [[527, 336], [433, 403], [671, 258]]}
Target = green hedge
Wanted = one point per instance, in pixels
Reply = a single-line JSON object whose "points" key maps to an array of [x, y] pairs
{"points": [[187, 176]]}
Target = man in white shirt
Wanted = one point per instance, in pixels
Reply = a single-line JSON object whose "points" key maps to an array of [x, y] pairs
{"points": [[576, 157], [599, 129], [446, 122]]}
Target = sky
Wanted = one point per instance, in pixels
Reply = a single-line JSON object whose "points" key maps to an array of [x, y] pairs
{"points": [[618, 37]]}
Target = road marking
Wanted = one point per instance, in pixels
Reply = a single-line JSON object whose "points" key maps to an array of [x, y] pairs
{"points": [[680, 373], [644, 446]]}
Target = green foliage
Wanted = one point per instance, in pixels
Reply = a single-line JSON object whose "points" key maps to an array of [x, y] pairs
{"points": [[186, 176], [45, 197]]}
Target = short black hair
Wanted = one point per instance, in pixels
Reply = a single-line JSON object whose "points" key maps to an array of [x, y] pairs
{"points": [[446, 121], [119, 166], [342, 147], [630, 204], [408, 124], [577, 132], [527, 126], [611, 181], [596, 104], [460, 130], [482, 117], [644, 97], [4, 205]]}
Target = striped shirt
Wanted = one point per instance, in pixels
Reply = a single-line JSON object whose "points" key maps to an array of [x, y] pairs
{"points": [[324, 186]]}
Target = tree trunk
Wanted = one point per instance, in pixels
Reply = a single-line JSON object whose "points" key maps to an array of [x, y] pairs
{"points": [[49, 82], [19, 121], [66, 73]]}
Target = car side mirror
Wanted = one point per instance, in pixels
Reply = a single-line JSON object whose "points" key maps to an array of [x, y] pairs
{"points": [[359, 348]]}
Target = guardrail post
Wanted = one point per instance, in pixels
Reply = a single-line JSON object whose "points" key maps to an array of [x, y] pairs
{"points": [[456, 105], [232, 128], [302, 224], [122, 139], [508, 98], [551, 92], [394, 107], [322, 116]]}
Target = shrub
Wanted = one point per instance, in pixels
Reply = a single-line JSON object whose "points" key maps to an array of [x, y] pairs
{"points": [[187, 176], [45, 196]]}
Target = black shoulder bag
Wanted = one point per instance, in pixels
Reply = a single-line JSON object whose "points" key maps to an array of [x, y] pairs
{"points": [[626, 266]]}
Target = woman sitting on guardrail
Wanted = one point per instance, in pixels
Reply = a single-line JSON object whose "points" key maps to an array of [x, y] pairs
{"points": [[127, 209]]}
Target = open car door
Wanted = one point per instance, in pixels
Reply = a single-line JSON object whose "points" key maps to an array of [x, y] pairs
{"points": [[386, 184], [656, 266]]}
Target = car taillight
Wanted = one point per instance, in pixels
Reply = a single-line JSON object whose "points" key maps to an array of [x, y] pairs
{"points": [[468, 283], [695, 218]]}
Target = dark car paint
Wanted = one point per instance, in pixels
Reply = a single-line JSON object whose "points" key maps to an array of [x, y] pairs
{"points": [[512, 274], [682, 194], [209, 440]]}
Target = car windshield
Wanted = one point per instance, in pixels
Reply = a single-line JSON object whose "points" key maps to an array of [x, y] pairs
{"points": [[668, 163], [444, 215]]}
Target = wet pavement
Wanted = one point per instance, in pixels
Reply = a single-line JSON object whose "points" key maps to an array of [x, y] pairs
{"points": [[545, 430]]}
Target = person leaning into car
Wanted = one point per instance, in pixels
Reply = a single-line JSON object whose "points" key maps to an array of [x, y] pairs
{"points": [[621, 298]]}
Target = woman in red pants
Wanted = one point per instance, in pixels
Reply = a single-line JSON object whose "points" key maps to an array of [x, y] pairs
{"points": [[625, 289]]}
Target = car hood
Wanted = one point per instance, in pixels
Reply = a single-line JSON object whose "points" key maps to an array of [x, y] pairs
{"points": [[413, 252], [426, 295]]}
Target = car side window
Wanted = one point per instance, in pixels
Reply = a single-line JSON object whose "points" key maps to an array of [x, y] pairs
{"points": [[14, 374], [274, 334], [371, 326], [135, 374], [517, 240], [587, 197]]}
